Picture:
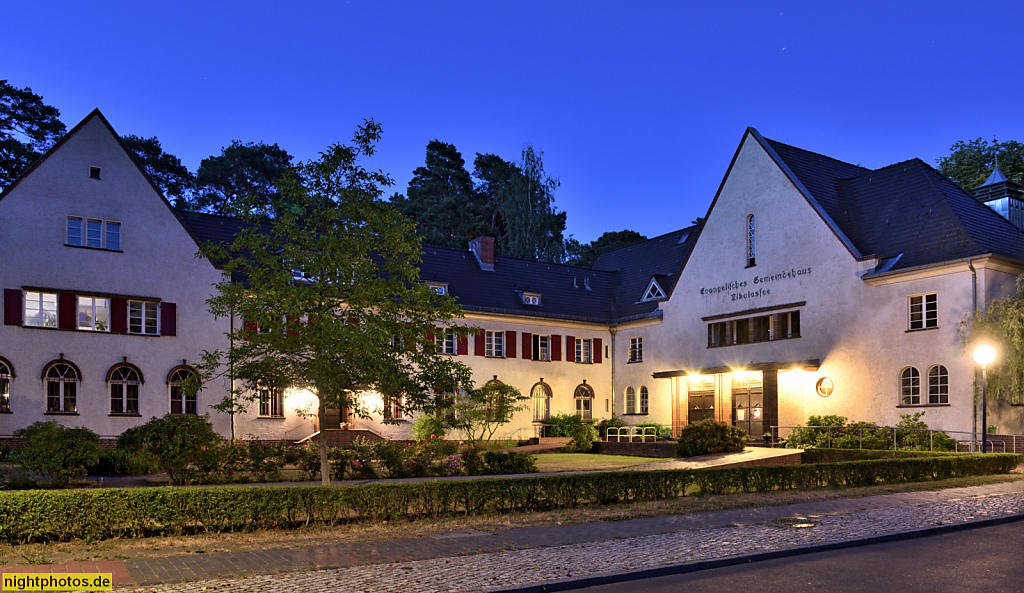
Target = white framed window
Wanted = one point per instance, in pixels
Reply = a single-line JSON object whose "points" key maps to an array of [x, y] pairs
{"points": [[541, 396], [923, 311], [93, 314], [584, 396], [94, 233], [438, 287], [644, 399], [124, 390], [751, 251], [393, 408], [636, 350], [445, 340], [910, 387], [271, 402], [61, 389], [938, 385], [494, 344], [183, 385], [40, 309], [142, 317], [5, 387], [541, 347], [654, 292], [583, 350], [630, 400], [531, 298]]}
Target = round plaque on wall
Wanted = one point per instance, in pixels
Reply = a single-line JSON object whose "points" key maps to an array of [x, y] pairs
{"points": [[824, 387]]}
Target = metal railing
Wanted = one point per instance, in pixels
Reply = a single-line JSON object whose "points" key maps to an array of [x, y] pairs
{"points": [[631, 432], [894, 436]]}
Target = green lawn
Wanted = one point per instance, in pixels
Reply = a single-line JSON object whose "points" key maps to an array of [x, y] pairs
{"points": [[568, 462]]}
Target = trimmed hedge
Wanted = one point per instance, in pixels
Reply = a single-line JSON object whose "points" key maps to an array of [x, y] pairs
{"points": [[840, 455], [136, 512]]}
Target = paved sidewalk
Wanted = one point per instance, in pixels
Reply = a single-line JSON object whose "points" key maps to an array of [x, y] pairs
{"points": [[516, 558]]}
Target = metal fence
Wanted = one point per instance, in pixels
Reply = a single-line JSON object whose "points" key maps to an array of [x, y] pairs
{"points": [[894, 437], [632, 432]]}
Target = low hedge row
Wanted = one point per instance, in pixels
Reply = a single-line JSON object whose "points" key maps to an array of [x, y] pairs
{"points": [[840, 455], [96, 514]]}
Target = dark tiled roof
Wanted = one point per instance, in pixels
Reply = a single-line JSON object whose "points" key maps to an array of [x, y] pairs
{"points": [[634, 266], [563, 289], [907, 208]]}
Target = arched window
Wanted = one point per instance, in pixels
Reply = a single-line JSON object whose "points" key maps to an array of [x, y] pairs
{"points": [[630, 400], [61, 378], [938, 385], [910, 387], [184, 386], [643, 399], [584, 396], [124, 381], [541, 396], [6, 374], [750, 241]]}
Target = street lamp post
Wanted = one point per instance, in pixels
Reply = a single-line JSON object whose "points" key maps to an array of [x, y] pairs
{"points": [[984, 355]]}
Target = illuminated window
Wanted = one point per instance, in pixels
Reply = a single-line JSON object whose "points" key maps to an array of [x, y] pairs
{"points": [[40, 309], [94, 314]]}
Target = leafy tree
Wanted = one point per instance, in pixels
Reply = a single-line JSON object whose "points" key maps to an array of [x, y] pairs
{"points": [[28, 127], [244, 179], [481, 412], [333, 302], [185, 446], [586, 255], [442, 200], [970, 163], [174, 180], [59, 452], [1002, 324]]}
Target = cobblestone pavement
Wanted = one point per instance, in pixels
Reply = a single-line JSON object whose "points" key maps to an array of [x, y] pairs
{"points": [[532, 556]]}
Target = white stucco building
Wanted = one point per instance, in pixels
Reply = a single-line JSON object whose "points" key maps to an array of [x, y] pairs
{"points": [[813, 287]]}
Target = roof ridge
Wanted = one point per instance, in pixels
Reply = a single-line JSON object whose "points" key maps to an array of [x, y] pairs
{"points": [[661, 236], [509, 257], [818, 154]]}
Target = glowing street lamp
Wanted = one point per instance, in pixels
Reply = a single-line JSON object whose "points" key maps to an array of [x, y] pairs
{"points": [[984, 354]]}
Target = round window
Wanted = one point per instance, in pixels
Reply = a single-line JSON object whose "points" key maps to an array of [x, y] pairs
{"points": [[824, 387]]}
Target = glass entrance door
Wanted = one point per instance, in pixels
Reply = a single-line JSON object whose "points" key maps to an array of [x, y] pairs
{"points": [[748, 405]]}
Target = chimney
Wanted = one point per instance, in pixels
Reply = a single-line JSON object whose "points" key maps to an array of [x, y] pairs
{"points": [[483, 249]]}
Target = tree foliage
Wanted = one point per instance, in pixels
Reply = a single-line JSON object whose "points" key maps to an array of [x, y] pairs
{"points": [[246, 178], [480, 412], [333, 303], [57, 451], [1001, 324], [586, 255], [970, 163], [28, 128], [166, 170], [510, 201]]}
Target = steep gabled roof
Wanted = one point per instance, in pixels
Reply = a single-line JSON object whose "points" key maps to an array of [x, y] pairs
{"points": [[906, 209], [635, 265]]}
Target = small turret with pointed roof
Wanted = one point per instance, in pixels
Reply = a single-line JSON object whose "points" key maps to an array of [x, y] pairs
{"points": [[1002, 195]]}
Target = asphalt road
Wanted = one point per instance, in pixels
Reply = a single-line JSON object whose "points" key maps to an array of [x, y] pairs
{"points": [[984, 560]]}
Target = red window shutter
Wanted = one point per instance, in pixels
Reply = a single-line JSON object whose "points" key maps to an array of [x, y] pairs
{"points": [[251, 327], [66, 310], [527, 345], [291, 325], [430, 336], [12, 306], [168, 319], [597, 351], [555, 342], [463, 346], [570, 349], [510, 344], [118, 315], [478, 347]]}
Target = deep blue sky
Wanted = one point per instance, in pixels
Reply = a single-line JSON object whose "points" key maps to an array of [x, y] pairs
{"points": [[637, 106]]}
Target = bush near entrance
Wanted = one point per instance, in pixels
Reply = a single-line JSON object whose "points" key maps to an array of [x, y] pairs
{"points": [[57, 451], [29, 516], [710, 436], [833, 431]]}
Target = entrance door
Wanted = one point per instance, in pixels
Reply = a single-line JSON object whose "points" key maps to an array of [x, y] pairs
{"points": [[700, 400], [748, 406]]}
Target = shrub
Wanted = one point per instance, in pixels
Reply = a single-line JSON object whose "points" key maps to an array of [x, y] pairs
{"points": [[710, 436], [393, 458], [123, 462], [832, 431], [510, 462], [583, 436], [186, 447], [561, 425], [261, 461], [604, 425], [57, 451], [307, 458], [137, 512], [660, 429], [428, 425]]}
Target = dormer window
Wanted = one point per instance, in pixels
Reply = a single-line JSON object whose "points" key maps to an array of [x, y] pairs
{"points": [[438, 287], [531, 298], [654, 292]]}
